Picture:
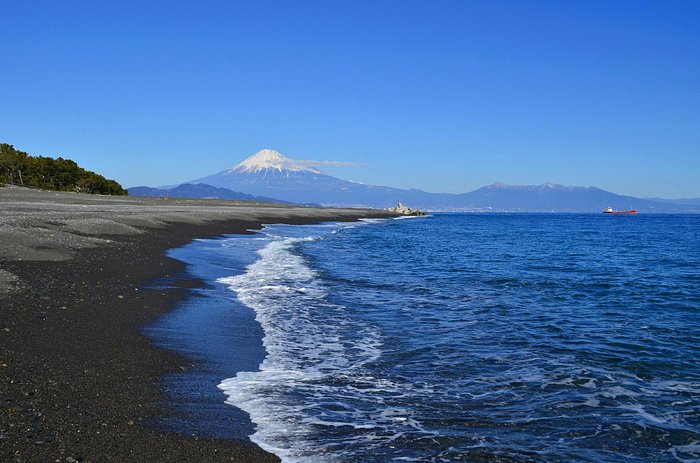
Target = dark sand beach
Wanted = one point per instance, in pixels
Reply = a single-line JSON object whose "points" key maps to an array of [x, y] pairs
{"points": [[78, 379]]}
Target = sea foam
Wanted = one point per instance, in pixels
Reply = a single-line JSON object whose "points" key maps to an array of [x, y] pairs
{"points": [[313, 375]]}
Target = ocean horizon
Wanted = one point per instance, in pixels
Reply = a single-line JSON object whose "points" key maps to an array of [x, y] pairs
{"points": [[454, 337]]}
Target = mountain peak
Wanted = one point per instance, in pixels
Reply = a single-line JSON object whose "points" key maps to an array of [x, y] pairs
{"points": [[267, 159], [542, 187]]}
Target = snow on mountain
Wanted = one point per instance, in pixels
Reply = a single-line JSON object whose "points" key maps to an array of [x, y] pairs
{"points": [[268, 159], [268, 173]]}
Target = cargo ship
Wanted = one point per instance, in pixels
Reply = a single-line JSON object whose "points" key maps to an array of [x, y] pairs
{"points": [[610, 210]]}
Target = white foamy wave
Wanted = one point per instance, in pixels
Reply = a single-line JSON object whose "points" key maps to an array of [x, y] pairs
{"points": [[404, 217], [370, 221], [313, 374]]}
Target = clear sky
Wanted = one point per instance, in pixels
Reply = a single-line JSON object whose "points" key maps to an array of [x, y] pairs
{"points": [[437, 95]]}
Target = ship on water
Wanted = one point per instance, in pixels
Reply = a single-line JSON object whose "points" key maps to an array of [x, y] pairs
{"points": [[610, 210]]}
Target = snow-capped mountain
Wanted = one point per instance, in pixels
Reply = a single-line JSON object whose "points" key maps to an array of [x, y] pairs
{"points": [[268, 173], [270, 160]]}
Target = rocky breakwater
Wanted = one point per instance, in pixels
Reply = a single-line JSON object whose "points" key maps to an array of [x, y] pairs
{"points": [[405, 210]]}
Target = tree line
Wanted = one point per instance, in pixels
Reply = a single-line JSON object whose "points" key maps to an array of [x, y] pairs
{"points": [[58, 174]]}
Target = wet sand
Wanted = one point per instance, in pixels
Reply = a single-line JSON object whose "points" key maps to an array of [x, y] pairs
{"points": [[78, 380]]}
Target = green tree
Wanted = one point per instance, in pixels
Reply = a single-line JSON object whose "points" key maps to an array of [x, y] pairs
{"points": [[59, 174]]}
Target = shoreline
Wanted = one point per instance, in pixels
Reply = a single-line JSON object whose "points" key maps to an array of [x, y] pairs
{"points": [[79, 379], [216, 331]]}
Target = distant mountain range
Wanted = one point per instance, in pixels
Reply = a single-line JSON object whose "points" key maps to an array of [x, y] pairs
{"points": [[200, 190], [267, 174]]}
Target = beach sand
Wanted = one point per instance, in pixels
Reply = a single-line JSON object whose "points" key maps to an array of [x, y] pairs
{"points": [[78, 379]]}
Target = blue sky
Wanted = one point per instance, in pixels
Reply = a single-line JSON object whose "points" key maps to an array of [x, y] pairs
{"points": [[437, 95]]}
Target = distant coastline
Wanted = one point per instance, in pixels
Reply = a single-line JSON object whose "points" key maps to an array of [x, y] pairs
{"points": [[269, 174]]}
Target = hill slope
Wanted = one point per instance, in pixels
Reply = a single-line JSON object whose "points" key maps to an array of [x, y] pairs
{"points": [[200, 190], [48, 173]]}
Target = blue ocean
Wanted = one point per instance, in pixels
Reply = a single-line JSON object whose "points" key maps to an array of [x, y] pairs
{"points": [[453, 337]]}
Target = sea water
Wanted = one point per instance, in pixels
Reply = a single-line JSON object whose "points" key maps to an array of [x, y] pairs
{"points": [[474, 337]]}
